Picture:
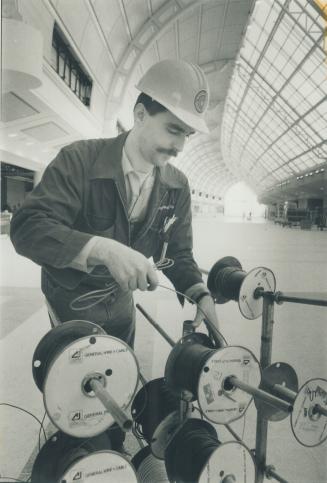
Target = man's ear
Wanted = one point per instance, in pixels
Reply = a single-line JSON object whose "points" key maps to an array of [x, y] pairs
{"points": [[139, 113]]}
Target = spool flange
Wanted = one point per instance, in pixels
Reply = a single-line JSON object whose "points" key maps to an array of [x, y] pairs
{"points": [[278, 373], [260, 277], [218, 403], [101, 467], [230, 462], [308, 426], [69, 403]]}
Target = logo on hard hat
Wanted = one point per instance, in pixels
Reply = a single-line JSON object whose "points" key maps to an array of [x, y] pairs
{"points": [[200, 101]]}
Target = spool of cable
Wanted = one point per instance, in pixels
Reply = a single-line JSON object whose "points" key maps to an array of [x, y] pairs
{"points": [[60, 451], [148, 468], [185, 363], [227, 281], [204, 372], [309, 425], [100, 371], [195, 454], [101, 467], [54, 341], [155, 410]]}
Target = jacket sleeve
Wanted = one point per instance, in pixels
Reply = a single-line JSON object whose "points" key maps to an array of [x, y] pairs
{"points": [[185, 272], [42, 229]]}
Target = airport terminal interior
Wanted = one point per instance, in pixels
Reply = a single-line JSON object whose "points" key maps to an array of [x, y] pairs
{"points": [[258, 184]]}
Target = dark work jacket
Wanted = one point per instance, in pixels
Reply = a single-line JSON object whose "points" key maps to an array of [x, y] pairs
{"points": [[82, 193]]}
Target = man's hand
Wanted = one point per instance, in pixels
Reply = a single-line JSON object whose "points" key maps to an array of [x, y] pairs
{"points": [[129, 268], [206, 310], [206, 306]]}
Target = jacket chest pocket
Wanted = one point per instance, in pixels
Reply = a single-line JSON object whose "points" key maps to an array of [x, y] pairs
{"points": [[101, 206], [164, 212]]}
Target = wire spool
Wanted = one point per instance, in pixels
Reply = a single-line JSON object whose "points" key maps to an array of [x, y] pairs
{"points": [[219, 402], [155, 410], [278, 373], [195, 454], [185, 362], [203, 371], [309, 426], [77, 411], [227, 281], [60, 451], [54, 341], [148, 468], [101, 467]]}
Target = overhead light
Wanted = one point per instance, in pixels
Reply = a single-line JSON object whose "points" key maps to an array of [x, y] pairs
{"points": [[13, 135]]}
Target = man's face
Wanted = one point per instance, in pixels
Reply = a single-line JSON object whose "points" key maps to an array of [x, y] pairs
{"points": [[161, 137]]}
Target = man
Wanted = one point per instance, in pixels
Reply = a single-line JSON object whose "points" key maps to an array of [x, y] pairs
{"points": [[103, 206]]}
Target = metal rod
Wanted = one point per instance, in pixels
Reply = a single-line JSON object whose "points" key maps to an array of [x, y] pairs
{"points": [[280, 297], [271, 473], [284, 392], [260, 394], [319, 409], [119, 415], [265, 361], [156, 326]]}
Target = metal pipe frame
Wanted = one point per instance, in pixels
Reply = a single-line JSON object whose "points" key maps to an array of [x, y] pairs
{"points": [[265, 361]]}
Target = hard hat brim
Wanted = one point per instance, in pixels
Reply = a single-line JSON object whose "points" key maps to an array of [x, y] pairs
{"points": [[192, 120]]}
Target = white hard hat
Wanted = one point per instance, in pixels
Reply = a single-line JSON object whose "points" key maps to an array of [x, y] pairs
{"points": [[181, 87]]}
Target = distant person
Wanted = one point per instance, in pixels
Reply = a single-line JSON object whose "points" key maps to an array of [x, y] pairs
{"points": [[102, 207]]}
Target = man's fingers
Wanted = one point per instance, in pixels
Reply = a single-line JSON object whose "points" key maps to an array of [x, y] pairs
{"points": [[132, 283], [198, 320], [142, 282], [152, 279]]}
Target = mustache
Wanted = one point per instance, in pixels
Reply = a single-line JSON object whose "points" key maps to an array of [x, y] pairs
{"points": [[169, 152]]}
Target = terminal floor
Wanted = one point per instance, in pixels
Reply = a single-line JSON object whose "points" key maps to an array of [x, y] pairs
{"points": [[299, 261]]}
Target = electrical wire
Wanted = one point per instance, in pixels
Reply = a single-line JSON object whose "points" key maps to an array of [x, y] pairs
{"points": [[42, 422], [198, 307], [28, 412], [101, 295], [104, 294]]}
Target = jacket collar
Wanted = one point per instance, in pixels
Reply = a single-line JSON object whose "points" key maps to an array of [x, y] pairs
{"points": [[108, 164]]}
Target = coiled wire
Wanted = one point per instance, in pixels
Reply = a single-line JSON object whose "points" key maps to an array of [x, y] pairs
{"points": [[189, 450], [90, 299], [148, 468], [151, 405]]}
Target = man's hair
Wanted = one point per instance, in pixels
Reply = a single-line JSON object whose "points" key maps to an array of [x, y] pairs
{"points": [[152, 106]]}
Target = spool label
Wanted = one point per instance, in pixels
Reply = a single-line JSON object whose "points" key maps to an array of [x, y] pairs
{"points": [[308, 425], [218, 400], [101, 466], [74, 411]]}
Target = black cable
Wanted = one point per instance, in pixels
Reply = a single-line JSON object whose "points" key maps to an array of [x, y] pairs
{"points": [[28, 412], [42, 422]]}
